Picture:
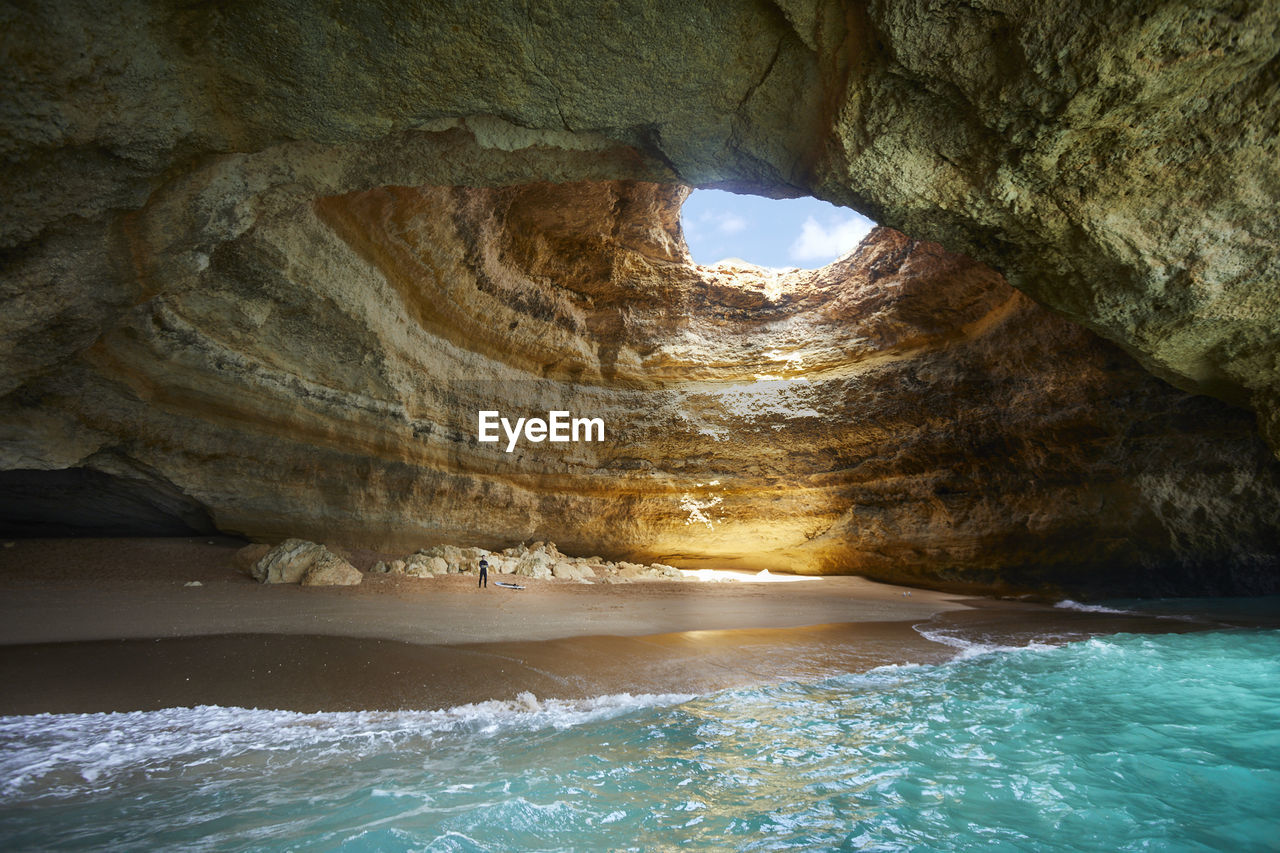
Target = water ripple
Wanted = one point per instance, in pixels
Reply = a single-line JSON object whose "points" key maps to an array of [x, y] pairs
{"points": [[1123, 743]]}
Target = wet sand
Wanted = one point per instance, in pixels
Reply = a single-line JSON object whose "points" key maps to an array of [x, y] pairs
{"points": [[324, 673], [110, 625]]}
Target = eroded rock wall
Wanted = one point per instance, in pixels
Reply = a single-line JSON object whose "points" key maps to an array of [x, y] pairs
{"points": [[257, 258], [902, 413], [1117, 161]]}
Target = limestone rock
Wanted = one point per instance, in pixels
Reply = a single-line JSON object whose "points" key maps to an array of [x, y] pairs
{"points": [[229, 294], [1119, 170], [628, 572], [424, 566], [287, 562], [535, 566], [331, 570], [941, 410], [245, 559], [300, 561], [500, 565], [573, 571], [447, 559], [540, 560], [631, 571]]}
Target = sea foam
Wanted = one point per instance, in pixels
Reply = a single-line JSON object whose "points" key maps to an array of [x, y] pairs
{"points": [[1122, 742], [1068, 604], [63, 754], [967, 648]]}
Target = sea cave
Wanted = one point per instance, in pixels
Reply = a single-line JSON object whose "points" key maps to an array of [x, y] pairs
{"points": [[319, 320]]}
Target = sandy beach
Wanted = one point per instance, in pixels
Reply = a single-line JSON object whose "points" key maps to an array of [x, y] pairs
{"points": [[115, 624], [59, 590]]}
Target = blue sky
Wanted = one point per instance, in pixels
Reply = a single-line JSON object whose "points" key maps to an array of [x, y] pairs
{"points": [[792, 232]]}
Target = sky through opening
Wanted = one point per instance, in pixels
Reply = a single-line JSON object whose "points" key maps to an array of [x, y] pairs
{"points": [[777, 233]]}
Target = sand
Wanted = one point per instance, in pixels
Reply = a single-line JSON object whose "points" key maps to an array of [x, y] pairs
{"points": [[105, 589], [112, 625]]}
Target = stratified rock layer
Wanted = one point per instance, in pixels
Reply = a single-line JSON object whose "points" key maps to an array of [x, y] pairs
{"points": [[902, 413], [1118, 161], [242, 279]]}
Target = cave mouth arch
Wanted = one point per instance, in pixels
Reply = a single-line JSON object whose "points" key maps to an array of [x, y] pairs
{"points": [[781, 234]]}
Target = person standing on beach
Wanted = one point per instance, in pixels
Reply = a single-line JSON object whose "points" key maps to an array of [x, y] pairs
{"points": [[484, 575]]}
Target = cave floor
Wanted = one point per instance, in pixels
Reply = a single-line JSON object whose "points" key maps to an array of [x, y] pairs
{"points": [[111, 624]]}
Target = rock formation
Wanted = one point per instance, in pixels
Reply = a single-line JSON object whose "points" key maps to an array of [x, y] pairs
{"points": [[261, 267], [1115, 160], [306, 563], [541, 560], [902, 413]]}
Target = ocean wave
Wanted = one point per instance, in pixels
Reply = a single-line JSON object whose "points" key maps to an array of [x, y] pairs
{"points": [[1039, 749], [1068, 604], [968, 648], [71, 753]]}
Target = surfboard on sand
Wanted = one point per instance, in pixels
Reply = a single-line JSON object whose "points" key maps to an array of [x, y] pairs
{"points": [[508, 585]]}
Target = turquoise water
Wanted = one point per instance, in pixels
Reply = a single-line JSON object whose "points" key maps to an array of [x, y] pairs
{"points": [[1127, 742]]}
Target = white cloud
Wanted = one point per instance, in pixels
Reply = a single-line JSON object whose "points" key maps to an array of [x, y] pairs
{"points": [[826, 243], [726, 222]]}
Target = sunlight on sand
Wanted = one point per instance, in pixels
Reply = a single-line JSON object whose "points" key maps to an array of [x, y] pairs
{"points": [[725, 575]]}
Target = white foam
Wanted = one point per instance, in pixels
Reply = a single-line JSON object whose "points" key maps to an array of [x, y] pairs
{"points": [[54, 754], [967, 649], [1068, 604]]}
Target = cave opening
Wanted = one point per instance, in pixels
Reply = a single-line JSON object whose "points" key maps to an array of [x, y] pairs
{"points": [[374, 377], [900, 412], [781, 234]]}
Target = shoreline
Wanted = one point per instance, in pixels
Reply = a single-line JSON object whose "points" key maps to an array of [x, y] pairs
{"points": [[313, 673], [112, 625]]}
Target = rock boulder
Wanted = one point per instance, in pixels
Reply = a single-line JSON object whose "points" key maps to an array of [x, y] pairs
{"points": [[300, 561], [331, 570]]}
